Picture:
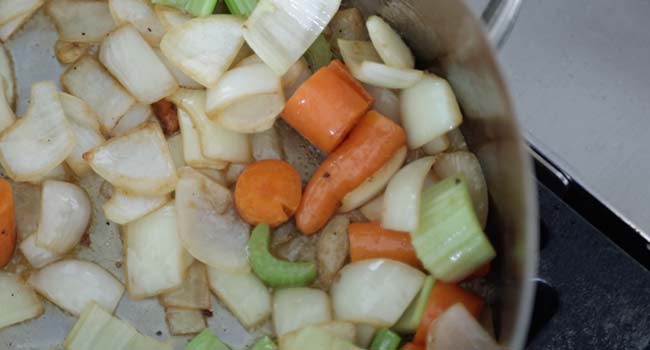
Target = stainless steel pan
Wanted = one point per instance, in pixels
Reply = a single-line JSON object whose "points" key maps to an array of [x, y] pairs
{"points": [[446, 38]]}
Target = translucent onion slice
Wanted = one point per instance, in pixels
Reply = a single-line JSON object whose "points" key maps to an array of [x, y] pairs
{"points": [[10, 9], [296, 308], [401, 210], [208, 225], [192, 152], [88, 80], [17, 300], [244, 295], [86, 128], [267, 145], [60, 173], [35, 255], [141, 15], [217, 142], [9, 28], [170, 17], [138, 162], [373, 185], [65, 214], [134, 117], [437, 145], [295, 74], [244, 107], [176, 149], [365, 64], [204, 48], [280, 32], [43, 133], [80, 20], [429, 110], [373, 209], [7, 116], [389, 44], [124, 207], [184, 321], [182, 78], [336, 329], [134, 63], [68, 52], [386, 102], [365, 334], [194, 293], [456, 328], [73, 284], [154, 254], [315, 338], [7, 75], [27, 204], [375, 291]]}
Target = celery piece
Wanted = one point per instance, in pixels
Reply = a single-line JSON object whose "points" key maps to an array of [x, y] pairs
{"points": [[273, 271], [242, 8], [410, 319], [449, 239], [319, 53], [206, 340], [313, 338], [385, 339], [265, 343], [198, 8]]}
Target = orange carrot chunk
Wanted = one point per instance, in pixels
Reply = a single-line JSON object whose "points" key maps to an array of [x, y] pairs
{"points": [[482, 271], [268, 192], [372, 142], [7, 223], [327, 106], [442, 297], [368, 240]]}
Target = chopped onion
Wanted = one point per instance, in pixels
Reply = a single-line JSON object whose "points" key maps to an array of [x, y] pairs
{"points": [[17, 300], [132, 61], [59, 173], [65, 214], [85, 125], [217, 142], [373, 185], [184, 321], [437, 145], [154, 254], [244, 107], [43, 133], [296, 308], [123, 207], [429, 110], [10, 9], [137, 162], [37, 256], [217, 176], [7, 116], [9, 28], [402, 197], [373, 209], [73, 284], [176, 150], [455, 329], [208, 225], [79, 112], [80, 21], [204, 48], [340, 329], [170, 17], [68, 52], [194, 293], [182, 78], [244, 295], [375, 291], [27, 204], [134, 117], [365, 64], [466, 163], [291, 82], [192, 152], [386, 102], [248, 60], [365, 334], [233, 172], [315, 338], [389, 44], [280, 32], [7, 75], [88, 80], [267, 145], [141, 15]]}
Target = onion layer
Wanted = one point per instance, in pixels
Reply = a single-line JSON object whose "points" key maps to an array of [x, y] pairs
{"points": [[134, 117], [141, 15], [123, 207], [74, 284], [18, 302], [389, 44], [296, 308], [456, 328], [171, 17], [11, 9], [7, 74], [7, 116], [192, 151], [85, 125], [194, 293], [80, 21], [37, 256]]}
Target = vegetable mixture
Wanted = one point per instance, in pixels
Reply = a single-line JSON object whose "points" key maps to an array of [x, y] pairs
{"points": [[364, 234]]}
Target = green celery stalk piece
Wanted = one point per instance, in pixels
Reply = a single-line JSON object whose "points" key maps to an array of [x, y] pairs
{"points": [[241, 8], [319, 53], [449, 239], [410, 319], [206, 340], [265, 343], [273, 271], [385, 339], [198, 8]]}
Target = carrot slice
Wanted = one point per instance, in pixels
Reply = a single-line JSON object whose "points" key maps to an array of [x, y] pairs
{"points": [[368, 240], [482, 271], [7, 223], [442, 297], [372, 142], [268, 192], [327, 106]]}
